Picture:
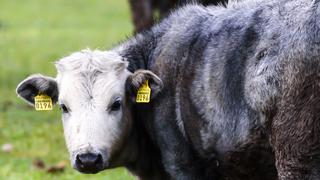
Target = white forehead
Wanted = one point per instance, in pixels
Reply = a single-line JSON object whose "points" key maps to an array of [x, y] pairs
{"points": [[91, 60], [88, 74]]}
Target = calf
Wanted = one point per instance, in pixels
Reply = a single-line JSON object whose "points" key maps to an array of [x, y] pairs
{"points": [[234, 95]]}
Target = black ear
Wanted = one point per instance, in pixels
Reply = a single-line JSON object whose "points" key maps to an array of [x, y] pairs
{"points": [[34, 84], [139, 77]]}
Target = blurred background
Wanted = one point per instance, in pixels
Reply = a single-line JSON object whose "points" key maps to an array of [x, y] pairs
{"points": [[34, 34]]}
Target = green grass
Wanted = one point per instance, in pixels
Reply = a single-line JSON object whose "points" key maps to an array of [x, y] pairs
{"points": [[33, 34]]}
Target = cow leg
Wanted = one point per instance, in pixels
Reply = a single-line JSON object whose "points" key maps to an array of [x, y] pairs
{"points": [[292, 159], [165, 6], [176, 154], [295, 130], [295, 161], [142, 16]]}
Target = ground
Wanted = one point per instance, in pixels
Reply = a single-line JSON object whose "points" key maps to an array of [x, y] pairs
{"points": [[33, 34]]}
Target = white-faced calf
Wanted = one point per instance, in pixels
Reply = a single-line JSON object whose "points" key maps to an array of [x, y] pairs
{"points": [[90, 89]]}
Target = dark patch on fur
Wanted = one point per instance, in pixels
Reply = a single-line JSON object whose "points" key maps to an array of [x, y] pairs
{"points": [[148, 164]]}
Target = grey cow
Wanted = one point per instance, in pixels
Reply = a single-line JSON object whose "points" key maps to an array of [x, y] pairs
{"points": [[234, 95]]}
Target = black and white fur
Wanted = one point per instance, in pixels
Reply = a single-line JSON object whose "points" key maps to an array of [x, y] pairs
{"points": [[235, 95]]}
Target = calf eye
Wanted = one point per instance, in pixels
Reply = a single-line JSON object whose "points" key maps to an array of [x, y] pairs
{"points": [[116, 105], [63, 108]]}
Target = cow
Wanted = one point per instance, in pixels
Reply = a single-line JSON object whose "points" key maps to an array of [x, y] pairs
{"points": [[143, 12], [234, 95]]}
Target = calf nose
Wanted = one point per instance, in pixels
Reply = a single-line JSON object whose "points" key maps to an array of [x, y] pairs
{"points": [[89, 162]]}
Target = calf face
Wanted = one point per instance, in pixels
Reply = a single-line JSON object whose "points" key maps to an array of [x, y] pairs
{"points": [[90, 89]]}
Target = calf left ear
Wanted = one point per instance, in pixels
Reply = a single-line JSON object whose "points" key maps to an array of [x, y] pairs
{"points": [[138, 78], [35, 84]]}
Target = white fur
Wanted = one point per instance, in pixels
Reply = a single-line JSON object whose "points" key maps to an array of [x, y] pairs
{"points": [[88, 82]]}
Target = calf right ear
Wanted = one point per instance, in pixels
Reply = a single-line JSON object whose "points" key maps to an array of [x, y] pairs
{"points": [[35, 84], [139, 77]]}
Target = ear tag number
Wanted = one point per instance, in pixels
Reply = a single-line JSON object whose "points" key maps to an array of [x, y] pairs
{"points": [[143, 94], [43, 102]]}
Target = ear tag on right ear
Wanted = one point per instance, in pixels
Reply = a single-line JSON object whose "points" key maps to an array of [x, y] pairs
{"points": [[144, 93], [43, 102]]}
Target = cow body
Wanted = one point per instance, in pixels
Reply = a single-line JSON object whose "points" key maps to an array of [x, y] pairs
{"points": [[223, 72], [238, 96]]}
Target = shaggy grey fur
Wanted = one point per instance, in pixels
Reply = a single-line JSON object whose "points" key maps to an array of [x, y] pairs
{"points": [[225, 72]]}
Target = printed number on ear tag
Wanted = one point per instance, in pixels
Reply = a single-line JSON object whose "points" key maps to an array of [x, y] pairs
{"points": [[43, 102], [143, 94]]}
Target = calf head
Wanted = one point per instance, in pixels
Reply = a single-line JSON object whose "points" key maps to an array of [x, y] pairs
{"points": [[93, 89]]}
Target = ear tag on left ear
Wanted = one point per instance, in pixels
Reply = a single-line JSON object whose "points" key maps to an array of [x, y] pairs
{"points": [[144, 93], [43, 102]]}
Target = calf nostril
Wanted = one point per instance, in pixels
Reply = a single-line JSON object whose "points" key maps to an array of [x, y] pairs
{"points": [[88, 160], [78, 161], [99, 159]]}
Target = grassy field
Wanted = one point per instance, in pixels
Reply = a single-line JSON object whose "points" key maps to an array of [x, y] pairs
{"points": [[33, 34]]}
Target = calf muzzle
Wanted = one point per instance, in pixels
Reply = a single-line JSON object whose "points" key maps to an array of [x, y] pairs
{"points": [[89, 163]]}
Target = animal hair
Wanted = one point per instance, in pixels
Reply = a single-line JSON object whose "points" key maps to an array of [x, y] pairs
{"points": [[93, 61]]}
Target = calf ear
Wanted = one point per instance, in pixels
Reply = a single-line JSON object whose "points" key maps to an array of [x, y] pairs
{"points": [[35, 84], [138, 78]]}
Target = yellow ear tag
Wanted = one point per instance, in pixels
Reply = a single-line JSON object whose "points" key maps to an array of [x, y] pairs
{"points": [[43, 102], [143, 94]]}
